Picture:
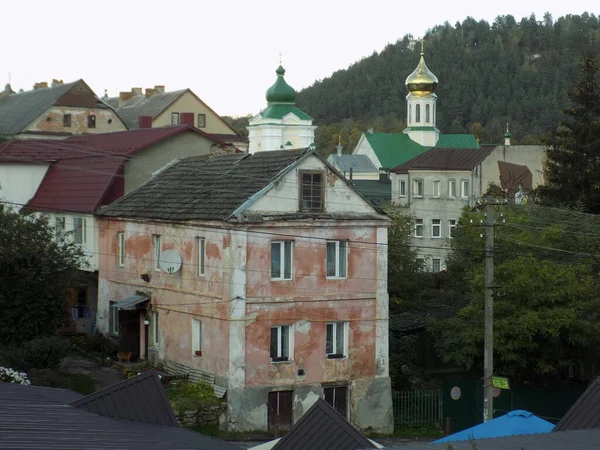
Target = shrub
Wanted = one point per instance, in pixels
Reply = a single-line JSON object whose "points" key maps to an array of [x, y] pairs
{"points": [[191, 396], [45, 352], [96, 343], [78, 382], [12, 376]]}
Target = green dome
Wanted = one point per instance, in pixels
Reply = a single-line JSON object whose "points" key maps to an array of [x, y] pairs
{"points": [[281, 92]]}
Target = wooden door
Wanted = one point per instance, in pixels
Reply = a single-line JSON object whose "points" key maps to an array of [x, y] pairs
{"points": [[129, 333], [280, 411], [337, 398]]}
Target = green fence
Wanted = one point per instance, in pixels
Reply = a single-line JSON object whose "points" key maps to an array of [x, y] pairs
{"points": [[418, 408]]}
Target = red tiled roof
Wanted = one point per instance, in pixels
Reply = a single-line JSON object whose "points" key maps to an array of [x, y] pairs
{"points": [[446, 159], [34, 150]]}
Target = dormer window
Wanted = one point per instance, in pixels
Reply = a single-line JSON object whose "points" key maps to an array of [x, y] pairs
{"points": [[311, 191]]}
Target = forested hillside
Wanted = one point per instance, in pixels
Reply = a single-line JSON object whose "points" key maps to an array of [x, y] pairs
{"points": [[489, 74]]}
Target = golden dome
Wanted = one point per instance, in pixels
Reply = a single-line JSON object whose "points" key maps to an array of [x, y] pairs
{"points": [[422, 81]]}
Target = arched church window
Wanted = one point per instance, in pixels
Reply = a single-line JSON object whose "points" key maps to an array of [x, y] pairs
{"points": [[418, 113], [427, 114], [409, 114]]}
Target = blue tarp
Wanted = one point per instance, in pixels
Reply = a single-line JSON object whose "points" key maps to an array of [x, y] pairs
{"points": [[511, 424]]}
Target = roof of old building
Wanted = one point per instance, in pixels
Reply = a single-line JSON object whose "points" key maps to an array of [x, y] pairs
{"points": [[457, 141], [88, 166], [32, 417], [585, 413], [446, 159], [322, 428], [393, 149], [378, 191], [213, 188], [358, 163], [34, 150], [141, 399]]}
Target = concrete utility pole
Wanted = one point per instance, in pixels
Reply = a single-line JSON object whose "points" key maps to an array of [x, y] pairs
{"points": [[488, 354]]}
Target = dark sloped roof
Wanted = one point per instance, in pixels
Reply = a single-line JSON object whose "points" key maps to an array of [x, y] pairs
{"points": [[585, 413], [17, 111], [564, 440], [322, 428], [229, 137], [139, 105], [33, 150], [446, 159], [205, 187], [358, 163], [141, 399], [379, 192], [29, 420]]}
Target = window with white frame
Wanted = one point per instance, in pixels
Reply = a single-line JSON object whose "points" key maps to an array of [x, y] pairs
{"points": [[155, 327], [436, 228], [418, 188], [156, 250], [436, 265], [452, 188], [464, 188], [281, 260], [402, 188], [336, 339], [201, 245], [113, 320], [337, 259], [436, 188], [59, 228], [196, 337], [280, 348], [79, 230], [419, 228], [121, 249], [451, 227], [174, 118]]}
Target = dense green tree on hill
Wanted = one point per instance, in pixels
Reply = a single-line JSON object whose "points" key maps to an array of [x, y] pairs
{"points": [[573, 158], [508, 71]]}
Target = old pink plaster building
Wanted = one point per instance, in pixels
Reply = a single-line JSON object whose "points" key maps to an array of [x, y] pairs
{"points": [[268, 271]]}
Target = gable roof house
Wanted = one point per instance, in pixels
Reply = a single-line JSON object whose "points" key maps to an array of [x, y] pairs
{"points": [[55, 112], [265, 273], [436, 185], [158, 108]]}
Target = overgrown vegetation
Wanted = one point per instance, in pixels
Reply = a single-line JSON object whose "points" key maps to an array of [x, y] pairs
{"points": [[78, 382], [187, 396], [45, 353], [96, 344]]}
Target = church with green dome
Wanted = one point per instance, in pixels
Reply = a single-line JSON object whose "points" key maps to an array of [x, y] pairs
{"points": [[281, 124]]}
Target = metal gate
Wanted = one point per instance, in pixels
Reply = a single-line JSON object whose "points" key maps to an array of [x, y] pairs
{"points": [[418, 408]]}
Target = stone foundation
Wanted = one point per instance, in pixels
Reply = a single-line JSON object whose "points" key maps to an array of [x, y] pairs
{"points": [[207, 415]]}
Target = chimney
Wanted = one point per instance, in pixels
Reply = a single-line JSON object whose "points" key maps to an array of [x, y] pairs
{"points": [[187, 118], [40, 85], [145, 122], [350, 173], [159, 88], [370, 131], [384, 175], [149, 92], [56, 82], [339, 147], [136, 91], [124, 96]]}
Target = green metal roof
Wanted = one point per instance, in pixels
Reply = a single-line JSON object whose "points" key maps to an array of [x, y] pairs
{"points": [[457, 141], [393, 149], [279, 111]]}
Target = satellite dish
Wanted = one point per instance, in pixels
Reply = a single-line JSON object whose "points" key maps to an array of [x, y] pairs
{"points": [[169, 261]]}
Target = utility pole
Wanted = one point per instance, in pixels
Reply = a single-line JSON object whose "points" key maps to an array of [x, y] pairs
{"points": [[488, 353]]}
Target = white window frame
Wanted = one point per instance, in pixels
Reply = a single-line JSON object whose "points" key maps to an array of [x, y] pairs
{"points": [[335, 345], [155, 329], [452, 188], [201, 246], [196, 336], [341, 261], [464, 188], [452, 224], [419, 224], [59, 228], [121, 248], [439, 265], [416, 184], [83, 234], [113, 321], [280, 357], [436, 224], [438, 184], [156, 246], [282, 260], [175, 119], [402, 188]]}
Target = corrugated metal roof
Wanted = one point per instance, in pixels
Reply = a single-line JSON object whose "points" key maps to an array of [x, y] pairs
{"points": [[141, 398], [446, 159], [358, 163], [130, 303], [457, 141], [322, 428], [585, 413], [379, 192], [393, 149]]}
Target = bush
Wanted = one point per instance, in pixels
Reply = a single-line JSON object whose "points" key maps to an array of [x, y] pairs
{"points": [[96, 343], [191, 396], [45, 352], [78, 382]]}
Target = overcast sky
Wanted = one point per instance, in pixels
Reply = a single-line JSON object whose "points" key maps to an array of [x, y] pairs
{"points": [[225, 51]]}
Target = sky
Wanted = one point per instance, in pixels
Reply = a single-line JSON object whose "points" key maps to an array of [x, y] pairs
{"points": [[225, 51]]}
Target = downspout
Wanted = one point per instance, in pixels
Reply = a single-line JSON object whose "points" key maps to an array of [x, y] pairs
{"points": [[471, 202], [408, 189]]}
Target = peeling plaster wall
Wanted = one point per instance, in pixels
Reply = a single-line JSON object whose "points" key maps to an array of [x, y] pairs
{"points": [[79, 121]]}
